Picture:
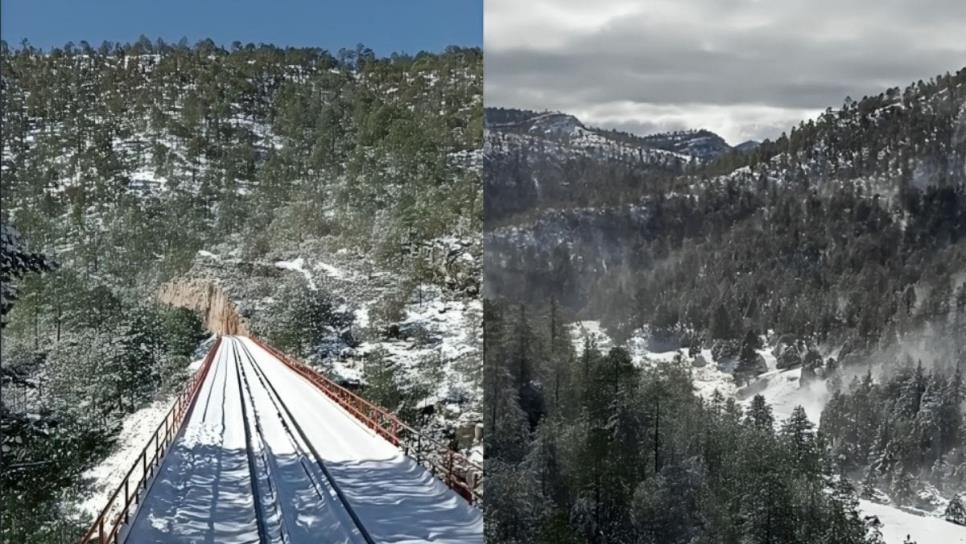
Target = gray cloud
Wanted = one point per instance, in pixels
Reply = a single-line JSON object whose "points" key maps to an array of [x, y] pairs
{"points": [[743, 68]]}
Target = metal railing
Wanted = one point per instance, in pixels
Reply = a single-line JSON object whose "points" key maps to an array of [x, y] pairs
{"points": [[107, 527], [452, 467]]}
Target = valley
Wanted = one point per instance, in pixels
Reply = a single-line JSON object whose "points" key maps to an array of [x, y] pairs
{"points": [[805, 293]]}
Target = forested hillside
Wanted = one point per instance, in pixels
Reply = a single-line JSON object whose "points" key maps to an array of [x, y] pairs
{"points": [[251, 141], [828, 265], [868, 195], [585, 446], [125, 163], [540, 161]]}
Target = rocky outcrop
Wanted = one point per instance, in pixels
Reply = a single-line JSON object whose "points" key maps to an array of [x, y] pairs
{"points": [[206, 297]]}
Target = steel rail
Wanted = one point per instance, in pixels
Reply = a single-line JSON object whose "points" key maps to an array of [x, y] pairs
{"points": [[462, 475], [279, 403], [107, 526], [256, 495], [264, 448]]}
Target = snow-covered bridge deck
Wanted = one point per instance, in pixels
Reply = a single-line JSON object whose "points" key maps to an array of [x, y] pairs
{"points": [[265, 456]]}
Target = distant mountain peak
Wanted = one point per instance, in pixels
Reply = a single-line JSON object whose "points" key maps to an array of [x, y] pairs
{"points": [[701, 144], [747, 145], [556, 124]]}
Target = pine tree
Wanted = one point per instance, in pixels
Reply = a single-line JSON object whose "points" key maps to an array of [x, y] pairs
{"points": [[759, 415], [721, 323], [140, 358], [873, 533], [748, 358], [845, 523], [382, 381], [15, 262], [868, 485], [799, 437], [955, 511]]}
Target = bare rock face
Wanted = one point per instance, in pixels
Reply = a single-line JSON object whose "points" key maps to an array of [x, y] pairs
{"points": [[206, 297]]}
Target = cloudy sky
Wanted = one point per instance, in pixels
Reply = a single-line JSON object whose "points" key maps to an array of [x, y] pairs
{"points": [[746, 69]]}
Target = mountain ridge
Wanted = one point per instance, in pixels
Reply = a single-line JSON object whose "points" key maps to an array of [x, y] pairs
{"points": [[816, 276], [701, 144]]}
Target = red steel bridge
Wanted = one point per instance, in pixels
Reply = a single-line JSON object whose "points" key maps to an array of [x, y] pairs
{"points": [[262, 448]]}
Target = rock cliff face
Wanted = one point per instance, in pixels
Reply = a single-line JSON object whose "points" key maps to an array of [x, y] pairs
{"points": [[206, 297]]}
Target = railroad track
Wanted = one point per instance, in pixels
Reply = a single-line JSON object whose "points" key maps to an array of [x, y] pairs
{"points": [[309, 461], [247, 467]]}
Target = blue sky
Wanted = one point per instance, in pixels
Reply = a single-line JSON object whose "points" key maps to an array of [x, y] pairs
{"points": [[386, 26]]}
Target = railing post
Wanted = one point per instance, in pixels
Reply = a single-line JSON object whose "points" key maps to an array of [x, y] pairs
{"points": [[100, 531]]}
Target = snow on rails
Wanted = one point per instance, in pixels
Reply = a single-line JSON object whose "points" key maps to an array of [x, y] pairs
{"points": [[269, 455]]}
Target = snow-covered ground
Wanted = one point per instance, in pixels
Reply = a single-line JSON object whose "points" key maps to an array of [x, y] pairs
{"points": [[331, 270], [582, 331], [137, 429], [298, 265], [705, 374], [897, 524], [781, 388], [783, 391], [265, 452], [445, 332]]}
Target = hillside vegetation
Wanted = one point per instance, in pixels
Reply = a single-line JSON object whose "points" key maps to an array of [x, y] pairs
{"points": [[122, 161], [834, 255]]}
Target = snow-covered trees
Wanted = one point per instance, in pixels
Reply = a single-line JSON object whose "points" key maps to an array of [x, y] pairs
{"points": [[798, 434], [15, 262], [750, 362], [633, 455], [955, 511], [666, 507], [844, 524], [801, 238], [759, 415], [73, 389], [390, 387], [900, 431], [123, 161]]}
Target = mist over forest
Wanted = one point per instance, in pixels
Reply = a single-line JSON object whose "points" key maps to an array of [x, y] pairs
{"points": [[708, 326]]}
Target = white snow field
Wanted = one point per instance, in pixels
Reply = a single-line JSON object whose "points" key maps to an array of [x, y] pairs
{"points": [[897, 524], [138, 429], [267, 457]]}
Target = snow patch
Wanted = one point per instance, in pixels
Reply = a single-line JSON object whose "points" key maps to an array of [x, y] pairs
{"points": [[137, 429], [362, 316], [897, 524], [592, 331], [298, 265], [784, 391], [331, 271]]}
